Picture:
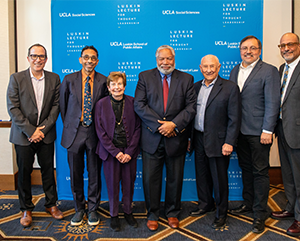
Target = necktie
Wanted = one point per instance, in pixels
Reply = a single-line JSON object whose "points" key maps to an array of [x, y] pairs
{"points": [[165, 92], [286, 72], [87, 104]]}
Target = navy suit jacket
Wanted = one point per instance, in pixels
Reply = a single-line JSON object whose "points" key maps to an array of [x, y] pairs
{"points": [[260, 98], [71, 104], [222, 118], [105, 127], [148, 104], [22, 107], [291, 109]]}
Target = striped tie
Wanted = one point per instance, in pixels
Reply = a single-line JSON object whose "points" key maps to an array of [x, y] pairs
{"points": [[286, 72]]}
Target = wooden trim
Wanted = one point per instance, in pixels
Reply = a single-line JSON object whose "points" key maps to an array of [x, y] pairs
{"points": [[275, 175], [9, 181], [5, 124]]}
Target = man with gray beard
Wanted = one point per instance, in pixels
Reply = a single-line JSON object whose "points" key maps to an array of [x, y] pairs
{"points": [[165, 101]]}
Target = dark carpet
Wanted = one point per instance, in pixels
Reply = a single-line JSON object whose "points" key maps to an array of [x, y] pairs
{"points": [[44, 227]]}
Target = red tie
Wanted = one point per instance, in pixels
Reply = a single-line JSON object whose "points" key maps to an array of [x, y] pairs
{"points": [[166, 92]]}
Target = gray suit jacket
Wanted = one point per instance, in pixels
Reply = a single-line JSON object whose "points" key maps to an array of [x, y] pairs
{"points": [[22, 108], [260, 98], [291, 109]]}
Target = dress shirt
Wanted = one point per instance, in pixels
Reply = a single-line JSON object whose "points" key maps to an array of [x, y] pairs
{"points": [[168, 78], [201, 104], [292, 67], [84, 76], [244, 73], [39, 89]]}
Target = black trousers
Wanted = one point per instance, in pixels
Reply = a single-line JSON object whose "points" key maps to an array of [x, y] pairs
{"points": [[254, 161], [25, 160], [76, 161], [152, 181], [211, 175]]}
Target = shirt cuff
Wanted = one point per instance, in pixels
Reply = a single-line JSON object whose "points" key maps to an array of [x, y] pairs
{"points": [[268, 132]]}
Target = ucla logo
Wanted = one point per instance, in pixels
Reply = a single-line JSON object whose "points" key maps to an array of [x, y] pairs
{"points": [[115, 44], [67, 71], [65, 15], [168, 12], [220, 43]]}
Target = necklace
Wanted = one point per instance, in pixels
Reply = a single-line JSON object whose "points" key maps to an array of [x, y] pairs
{"points": [[121, 119]]}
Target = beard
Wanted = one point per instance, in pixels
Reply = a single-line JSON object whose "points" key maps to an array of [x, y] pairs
{"points": [[166, 71]]}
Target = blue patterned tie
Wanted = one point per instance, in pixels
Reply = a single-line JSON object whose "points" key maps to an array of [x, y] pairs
{"points": [[87, 104], [286, 72]]}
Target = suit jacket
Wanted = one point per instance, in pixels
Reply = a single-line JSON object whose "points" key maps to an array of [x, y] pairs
{"points": [[71, 104], [148, 104], [260, 98], [105, 127], [291, 109], [222, 118], [22, 107]]}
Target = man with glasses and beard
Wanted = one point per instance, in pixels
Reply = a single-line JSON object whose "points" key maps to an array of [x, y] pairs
{"points": [[33, 106], [80, 91], [259, 84], [165, 101], [288, 130]]}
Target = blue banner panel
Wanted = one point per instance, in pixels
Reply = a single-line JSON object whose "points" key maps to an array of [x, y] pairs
{"points": [[127, 34]]}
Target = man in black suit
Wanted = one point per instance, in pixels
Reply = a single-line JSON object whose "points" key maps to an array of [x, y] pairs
{"points": [[165, 101], [216, 128], [33, 106], [79, 93], [288, 130]]}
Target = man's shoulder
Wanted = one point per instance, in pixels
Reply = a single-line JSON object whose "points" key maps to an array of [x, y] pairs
{"points": [[51, 74], [149, 71], [72, 75], [183, 74], [266, 66], [20, 74], [100, 76]]}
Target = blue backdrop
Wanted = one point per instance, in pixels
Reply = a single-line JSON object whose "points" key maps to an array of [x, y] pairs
{"points": [[127, 34]]}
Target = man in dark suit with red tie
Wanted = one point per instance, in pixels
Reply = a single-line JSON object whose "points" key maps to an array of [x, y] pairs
{"points": [[79, 93], [165, 101]]}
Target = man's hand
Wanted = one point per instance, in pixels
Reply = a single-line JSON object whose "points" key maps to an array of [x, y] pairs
{"points": [[189, 145], [266, 138], [38, 135], [227, 149], [167, 128]]}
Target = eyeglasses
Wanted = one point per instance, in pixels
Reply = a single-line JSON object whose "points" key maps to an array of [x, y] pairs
{"points": [[252, 48], [289, 45], [87, 57], [35, 57]]}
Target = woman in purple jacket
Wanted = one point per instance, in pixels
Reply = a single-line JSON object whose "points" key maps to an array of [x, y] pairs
{"points": [[118, 130]]}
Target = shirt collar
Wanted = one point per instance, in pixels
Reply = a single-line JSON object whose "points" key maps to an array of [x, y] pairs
{"points": [[250, 66], [163, 75], [84, 76], [33, 77], [212, 83], [294, 63]]}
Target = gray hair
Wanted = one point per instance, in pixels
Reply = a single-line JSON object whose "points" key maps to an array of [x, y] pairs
{"points": [[165, 47]]}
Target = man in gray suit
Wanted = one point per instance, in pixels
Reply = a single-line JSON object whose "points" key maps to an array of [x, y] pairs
{"points": [[288, 130], [33, 106], [259, 84]]}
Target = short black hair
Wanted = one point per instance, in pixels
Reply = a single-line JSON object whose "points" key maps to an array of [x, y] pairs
{"points": [[37, 45], [89, 47], [251, 37]]}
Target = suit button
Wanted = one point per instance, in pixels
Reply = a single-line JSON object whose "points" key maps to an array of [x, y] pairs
{"points": [[125, 127], [164, 118]]}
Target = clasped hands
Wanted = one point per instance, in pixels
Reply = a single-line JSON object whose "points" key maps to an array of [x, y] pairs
{"points": [[123, 158], [38, 135], [167, 128]]}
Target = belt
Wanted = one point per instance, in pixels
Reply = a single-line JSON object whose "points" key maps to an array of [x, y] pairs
{"points": [[84, 125]]}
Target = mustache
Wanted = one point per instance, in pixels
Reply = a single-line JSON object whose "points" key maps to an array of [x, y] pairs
{"points": [[249, 54]]}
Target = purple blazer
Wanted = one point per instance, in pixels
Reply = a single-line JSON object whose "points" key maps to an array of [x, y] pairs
{"points": [[105, 127]]}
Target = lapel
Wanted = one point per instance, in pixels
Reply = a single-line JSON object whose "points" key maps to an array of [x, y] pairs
{"points": [[214, 92], [292, 81], [96, 89], [30, 89], [78, 88], [46, 92], [257, 67], [158, 89], [173, 88]]}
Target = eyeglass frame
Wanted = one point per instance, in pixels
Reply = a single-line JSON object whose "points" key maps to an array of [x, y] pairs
{"points": [[252, 48], [87, 57], [289, 45], [41, 56]]}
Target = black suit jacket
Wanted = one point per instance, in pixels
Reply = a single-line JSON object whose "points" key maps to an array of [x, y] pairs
{"points": [[148, 104], [71, 104], [222, 118], [291, 109], [22, 108]]}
